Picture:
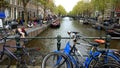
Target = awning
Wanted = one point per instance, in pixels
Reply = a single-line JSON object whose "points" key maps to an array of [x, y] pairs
{"points": [[2, 15]]}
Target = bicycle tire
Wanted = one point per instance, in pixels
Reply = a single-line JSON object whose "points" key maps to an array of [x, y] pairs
{"points": [[75, 58], [96, 63], [31, 57], [54, 57], [5, 61], [36, 56], [110, 65]]}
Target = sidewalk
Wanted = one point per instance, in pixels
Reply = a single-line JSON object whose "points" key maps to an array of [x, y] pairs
{"points": [[36, 28], [32, 32]]}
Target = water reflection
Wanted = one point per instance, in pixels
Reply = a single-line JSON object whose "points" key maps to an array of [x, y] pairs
{"points": [[67, 24]]}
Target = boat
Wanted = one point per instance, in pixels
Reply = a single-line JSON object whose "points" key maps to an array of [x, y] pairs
{"points": [[115, 31], [55, 23]]}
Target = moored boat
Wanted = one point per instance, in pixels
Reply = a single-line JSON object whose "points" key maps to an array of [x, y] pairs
{"points": [[55, 24], [115, 31]]}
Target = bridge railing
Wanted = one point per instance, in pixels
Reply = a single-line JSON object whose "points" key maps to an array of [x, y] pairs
{"points": [[58, 38]]}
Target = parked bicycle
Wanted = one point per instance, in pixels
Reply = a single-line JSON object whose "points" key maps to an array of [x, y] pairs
{"points": [[70, 58], [23, 56], [104, 58], [109, 59]]}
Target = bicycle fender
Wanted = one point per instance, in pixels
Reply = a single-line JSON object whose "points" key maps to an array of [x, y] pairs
{"points": [[88, 59], [114, 56]]}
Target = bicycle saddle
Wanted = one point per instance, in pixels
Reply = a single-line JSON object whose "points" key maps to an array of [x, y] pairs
{"points": [[100, 41]]}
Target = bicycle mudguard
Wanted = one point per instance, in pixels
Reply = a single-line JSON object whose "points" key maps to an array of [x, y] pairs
{"points": [[114, 56], [85, 64], [67, 48], [88, 59], [60, 55]]}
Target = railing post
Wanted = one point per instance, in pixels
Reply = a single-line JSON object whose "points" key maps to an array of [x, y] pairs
{"points": [[108, 39], [58, 42], [17, 39]]}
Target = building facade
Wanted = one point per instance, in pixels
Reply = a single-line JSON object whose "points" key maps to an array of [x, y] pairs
{"points": [[16, 10]]}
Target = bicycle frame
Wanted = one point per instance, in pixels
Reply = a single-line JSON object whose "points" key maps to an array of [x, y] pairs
{"points": [[67, 51], [95, 55], [9, 53]]}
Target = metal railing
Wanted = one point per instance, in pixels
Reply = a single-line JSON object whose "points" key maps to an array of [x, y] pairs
{"points": [[58, 38]]}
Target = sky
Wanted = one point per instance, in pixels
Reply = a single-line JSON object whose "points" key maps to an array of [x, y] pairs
{"points": [[67, 4]]}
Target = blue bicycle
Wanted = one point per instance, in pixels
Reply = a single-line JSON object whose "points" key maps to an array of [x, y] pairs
{"points": [[69, 56], [102, 58], [97, 59]]}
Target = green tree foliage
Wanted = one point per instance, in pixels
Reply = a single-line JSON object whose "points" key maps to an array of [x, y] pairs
{"points": [[51, 5], [47, 4], [61, 10], [115, 3], [81, 9], [3, 4], [25, 2], [102, 5]]}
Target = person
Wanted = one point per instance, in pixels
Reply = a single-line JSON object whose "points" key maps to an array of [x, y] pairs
{"points": [[30, 24], [21, 32]]}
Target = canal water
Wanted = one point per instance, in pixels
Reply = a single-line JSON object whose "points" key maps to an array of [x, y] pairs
{"points": [[67, 24]]}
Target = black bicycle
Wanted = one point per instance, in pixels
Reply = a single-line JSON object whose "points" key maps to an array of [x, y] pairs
{"points": [[21, 58]]}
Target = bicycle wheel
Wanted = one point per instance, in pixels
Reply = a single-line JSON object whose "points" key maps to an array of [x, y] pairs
{"points": [[92, 63], [56, 60], [96, 63], [5, 61], [110, 65], [31, 57], [36, 56]]}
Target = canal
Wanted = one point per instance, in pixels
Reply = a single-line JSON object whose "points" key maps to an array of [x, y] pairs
{"points": [[67, 24]]}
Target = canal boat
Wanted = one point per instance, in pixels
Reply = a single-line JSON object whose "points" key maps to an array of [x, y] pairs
{"points": [[86, 22], [55, 23], [114, 31]]}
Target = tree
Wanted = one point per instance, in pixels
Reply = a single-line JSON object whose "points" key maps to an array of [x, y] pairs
{"points": [[44, 3], [25, 2], [61, 10], [82, 8], [3, 4]]}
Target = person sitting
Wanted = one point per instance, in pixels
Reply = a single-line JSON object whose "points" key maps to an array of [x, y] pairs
{"points": [[21, 32], [30, 24]]}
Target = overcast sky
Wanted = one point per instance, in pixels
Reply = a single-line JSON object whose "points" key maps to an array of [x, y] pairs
{"points": [[67, 4]]}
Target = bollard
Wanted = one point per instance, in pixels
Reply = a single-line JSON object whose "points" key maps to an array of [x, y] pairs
{"points": [[17, 39], [58, 42], [108, 39]]}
